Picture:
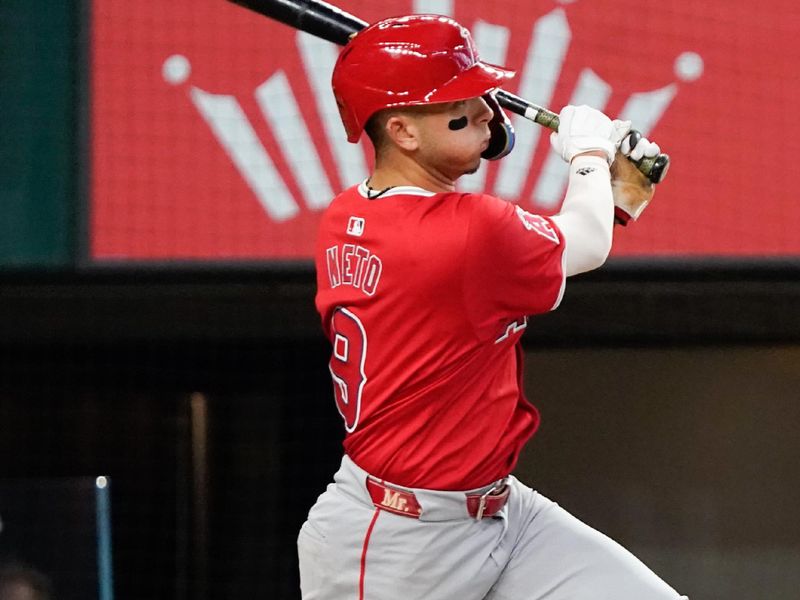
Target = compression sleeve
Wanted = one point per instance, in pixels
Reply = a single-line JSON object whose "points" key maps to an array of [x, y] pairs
{"points": [[586, 219]]}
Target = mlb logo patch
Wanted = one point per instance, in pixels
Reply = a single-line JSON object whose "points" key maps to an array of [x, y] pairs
{"points": [[355, 226]]}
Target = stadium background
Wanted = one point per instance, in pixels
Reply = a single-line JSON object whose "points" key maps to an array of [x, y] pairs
{"points": [[157, 323]]}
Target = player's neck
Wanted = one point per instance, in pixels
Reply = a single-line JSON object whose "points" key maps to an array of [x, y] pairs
{"points": [[403, 172]]}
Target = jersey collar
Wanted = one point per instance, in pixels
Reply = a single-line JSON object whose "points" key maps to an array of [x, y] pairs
{"points": [[400, 190]]}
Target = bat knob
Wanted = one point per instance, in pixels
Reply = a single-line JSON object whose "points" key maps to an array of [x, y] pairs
{"points": [[659, 169]]}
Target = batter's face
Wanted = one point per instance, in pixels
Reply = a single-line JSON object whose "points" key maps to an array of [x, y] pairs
{"points": [[450, 137]]}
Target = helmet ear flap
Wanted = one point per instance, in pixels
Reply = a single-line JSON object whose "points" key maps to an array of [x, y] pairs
{"points": [[502, 132]]}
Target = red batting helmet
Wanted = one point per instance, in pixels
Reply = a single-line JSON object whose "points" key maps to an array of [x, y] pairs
{"points": [[408, 61]]}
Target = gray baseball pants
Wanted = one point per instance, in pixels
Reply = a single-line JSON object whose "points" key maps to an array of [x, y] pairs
{"points": [[531, 550]]}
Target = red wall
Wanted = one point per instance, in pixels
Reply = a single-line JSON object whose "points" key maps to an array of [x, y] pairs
{"points": [[721, 79]]}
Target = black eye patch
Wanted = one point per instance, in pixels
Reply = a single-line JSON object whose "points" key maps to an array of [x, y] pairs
{"points": [[457, 124]]}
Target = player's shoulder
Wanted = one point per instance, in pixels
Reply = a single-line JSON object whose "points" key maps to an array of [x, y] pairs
{"points": [[346, 202], [486, 211], [494, 209], [346, 196], [494, 217], [488, 204]]}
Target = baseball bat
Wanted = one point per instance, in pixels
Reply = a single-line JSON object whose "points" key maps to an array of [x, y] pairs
{"points": [[331, 23]]}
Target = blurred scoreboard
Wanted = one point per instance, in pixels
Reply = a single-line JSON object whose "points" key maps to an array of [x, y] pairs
{"points": [[214, 134]]}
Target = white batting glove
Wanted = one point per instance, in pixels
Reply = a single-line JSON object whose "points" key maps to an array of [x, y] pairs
{"points": [[636, 146], [621, 131], [584, 129]]}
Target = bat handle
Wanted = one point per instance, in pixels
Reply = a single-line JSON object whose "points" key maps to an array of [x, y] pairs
{"points": [[529, 110], [655, 168]]}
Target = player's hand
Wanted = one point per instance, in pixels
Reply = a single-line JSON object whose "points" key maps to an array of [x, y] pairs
{"points": [[620, 132], [632, 190], [584, 129], [635, 146]]}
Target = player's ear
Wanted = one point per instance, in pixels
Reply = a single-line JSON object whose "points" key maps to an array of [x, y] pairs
{"points": [[403, 132]]}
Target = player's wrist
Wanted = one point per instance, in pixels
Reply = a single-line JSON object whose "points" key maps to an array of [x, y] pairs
{"points": [[594, 158], [598, 153]]}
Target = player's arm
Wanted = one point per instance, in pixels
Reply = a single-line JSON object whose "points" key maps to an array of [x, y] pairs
{"points": [[586, 219], [587, 139]]}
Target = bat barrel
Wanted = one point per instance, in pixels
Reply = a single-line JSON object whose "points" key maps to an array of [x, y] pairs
{"points": [[312, 16]]}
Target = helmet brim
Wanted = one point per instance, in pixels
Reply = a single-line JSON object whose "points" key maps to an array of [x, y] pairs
{"points": [[476, 81]]}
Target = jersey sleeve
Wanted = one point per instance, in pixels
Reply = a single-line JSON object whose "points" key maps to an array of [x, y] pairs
{"points": [[514, 262]]}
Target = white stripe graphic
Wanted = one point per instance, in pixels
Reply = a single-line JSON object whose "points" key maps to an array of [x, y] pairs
{"points": [[644, 109], [492, 43], [234, 132], [549, 190], [280, 109], [319, 58], [551, 38], [433, 7]]}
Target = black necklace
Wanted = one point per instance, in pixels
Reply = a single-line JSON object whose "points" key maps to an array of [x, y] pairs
{"points": [[373, 193]]}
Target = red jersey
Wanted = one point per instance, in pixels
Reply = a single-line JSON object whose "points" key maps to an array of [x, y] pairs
{"points": [[424, 297]]}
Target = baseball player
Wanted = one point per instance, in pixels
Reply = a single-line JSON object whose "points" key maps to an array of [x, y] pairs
{"points": [[424, 293]]}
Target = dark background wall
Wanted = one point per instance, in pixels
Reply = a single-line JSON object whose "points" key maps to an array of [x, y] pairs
{"points": [[38, 74], [668, 430], [686, 455]]}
